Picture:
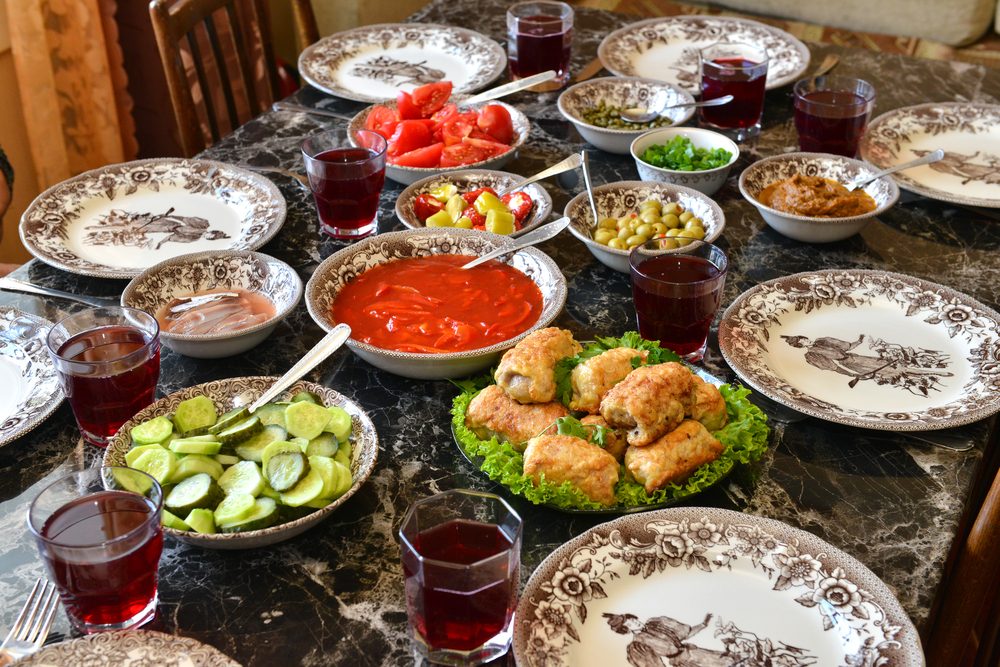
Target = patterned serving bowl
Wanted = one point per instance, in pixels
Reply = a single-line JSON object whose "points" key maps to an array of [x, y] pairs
{"points": [[343, 266], [187, 274], [621, 92], [706, 181], [615, 200], [764, 172], [473, 179], [408, 175]]}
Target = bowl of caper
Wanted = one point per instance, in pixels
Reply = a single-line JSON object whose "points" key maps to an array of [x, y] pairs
{"points": [[633, 212], [594, 107]]}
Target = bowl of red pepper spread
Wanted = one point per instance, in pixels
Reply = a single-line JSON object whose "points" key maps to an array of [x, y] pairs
{"points": [[414, 312]]}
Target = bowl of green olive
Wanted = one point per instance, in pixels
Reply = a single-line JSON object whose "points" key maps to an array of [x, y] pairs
{"points": [[633, 212]]}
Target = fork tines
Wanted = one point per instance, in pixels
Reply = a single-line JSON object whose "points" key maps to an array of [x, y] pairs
{"points": [[35, 620]]}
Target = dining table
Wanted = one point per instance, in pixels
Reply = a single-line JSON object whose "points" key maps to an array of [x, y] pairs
{"points": [[334, 595]]}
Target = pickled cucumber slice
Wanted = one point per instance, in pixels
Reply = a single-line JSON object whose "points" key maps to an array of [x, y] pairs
{"points": [[344, 479], [153, 431], [193, 464], [201, 521], [252, 449], [328, 471], [277, 448], [272, 413], [263, 515], [158, 463], [285, 469], [195, 446], [243, 477], [171, 521], [234, 508], [196, 491], [240, 432], [339, 424], [309, 488], [306, 420], [231, 418], [227, 459], [306, 396], [195, 413], [344, 454], [133, 480], [324, 444], [319, 503], [134, 453]]}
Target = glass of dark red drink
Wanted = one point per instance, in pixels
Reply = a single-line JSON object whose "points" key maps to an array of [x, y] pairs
{"points": [[346, 170], [677, 293], [540, 38], [108, 361], [98, 532], [461, 554], [831, 113], [739, 70]]}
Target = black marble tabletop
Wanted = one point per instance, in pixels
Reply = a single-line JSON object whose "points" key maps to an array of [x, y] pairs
{"points": [[335, 594]]}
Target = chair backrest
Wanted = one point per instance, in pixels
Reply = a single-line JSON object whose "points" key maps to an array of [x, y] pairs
{"points": [[305, 22], [219, 65]]}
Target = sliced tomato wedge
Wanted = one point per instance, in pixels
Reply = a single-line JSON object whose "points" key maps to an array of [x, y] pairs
{"points": [[445, 113], [424, 206], [407, 109], [408, 136], [430, 97], [519, 204], [428, 156], [458, 127], [493, 148], [464, 153], [382, 120], [495, 121]]}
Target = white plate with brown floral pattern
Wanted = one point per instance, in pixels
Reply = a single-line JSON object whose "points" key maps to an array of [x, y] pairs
{"points": [[704, 586], [131, 648], [666, 49], [116, 221], [25, 367], [373, 63], [968, 133], [871, 349]]}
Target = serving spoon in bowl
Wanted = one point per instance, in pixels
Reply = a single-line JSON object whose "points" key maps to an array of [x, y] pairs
{"points": [[659, 105], [572, 162], [543, 233], [862, 181]]}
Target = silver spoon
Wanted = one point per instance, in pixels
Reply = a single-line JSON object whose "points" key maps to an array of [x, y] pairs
{"points": [[572, 162], [509, 88], [301, 108], [659, 105], [12, 285], [543, 233], [590, 188], [862, 181]]}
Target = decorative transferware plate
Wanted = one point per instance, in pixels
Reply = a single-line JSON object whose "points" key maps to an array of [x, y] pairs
{"points": [[25, 367], [118, 220], [867, 348], [666, 49], [130, 648], [373, 63], [233, 392], [969, 134], [704, 586]]}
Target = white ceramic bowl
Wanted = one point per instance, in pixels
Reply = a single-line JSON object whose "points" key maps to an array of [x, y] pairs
{"points": [[408, 175], [623, 92], [186, 274], [706, 181], [341, 267], [617, 199], [764, 172], [227, 394], [473, 179]]}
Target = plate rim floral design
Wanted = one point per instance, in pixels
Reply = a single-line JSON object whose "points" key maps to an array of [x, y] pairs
{"points": [[792, 42], [555, 596], [37, 232], [743, 334], [39, 355], [874, 147], [312, 57], [112, 647]]}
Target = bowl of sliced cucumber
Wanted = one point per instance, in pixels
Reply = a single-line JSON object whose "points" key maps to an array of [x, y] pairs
{"points": [[233, 479]]}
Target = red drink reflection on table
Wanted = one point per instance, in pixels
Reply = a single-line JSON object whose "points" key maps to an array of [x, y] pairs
{"points": [[108, 361], [540, 38], [461, 562], [739, 70], [677, 293], [831, 113], [101, 545], [346, 170]]}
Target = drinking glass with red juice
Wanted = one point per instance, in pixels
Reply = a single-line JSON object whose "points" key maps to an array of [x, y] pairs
{"points": [[108, 360], [540, 38], [831, 113], [461, 553], [346, 170], [739, 70], [98, 532], [677, 293]]}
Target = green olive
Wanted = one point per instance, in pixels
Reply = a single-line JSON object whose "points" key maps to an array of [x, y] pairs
{"points": [[671, 233], [694, 222], [669, 244], [602, 236], [644, 229], [624, 233], [607, 223], [617, 243], [671, 221], [636, 239], [672, 207], [693, 233], [659, 228], [681, 241], [685, 216], [622, 221], [651, 203], [649, 215]]}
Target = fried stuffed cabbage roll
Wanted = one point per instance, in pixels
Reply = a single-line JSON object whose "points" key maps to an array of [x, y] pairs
{"points": [[707, 405], [649, 402], [564, 458], [673, 457], [493, 412], [592, 379], [527, 371], [614, 439]]}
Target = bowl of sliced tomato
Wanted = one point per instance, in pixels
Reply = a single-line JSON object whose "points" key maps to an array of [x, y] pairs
{"points": [[430, 132], [468, 199]]}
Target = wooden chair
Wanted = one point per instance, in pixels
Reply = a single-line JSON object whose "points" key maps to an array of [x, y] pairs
{"points": [[305, 23], [219, 65]]}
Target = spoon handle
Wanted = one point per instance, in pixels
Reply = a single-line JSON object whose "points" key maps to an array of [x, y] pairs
{"points": [[299, 108], [926, 159], [509, 88], [590, 187], [323, 349], [572, 162], [543, 233], [12, 285], [714, 102]]}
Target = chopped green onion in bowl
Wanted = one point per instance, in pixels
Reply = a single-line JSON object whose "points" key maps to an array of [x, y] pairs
{"points": [[680, 154]]}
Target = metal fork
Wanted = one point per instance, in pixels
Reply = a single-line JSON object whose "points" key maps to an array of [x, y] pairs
{"points": [[32, 625]]}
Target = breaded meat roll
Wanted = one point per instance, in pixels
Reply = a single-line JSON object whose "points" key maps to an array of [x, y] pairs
{"points": [[564, 458], [649, 402], [707, 405], [673, 457], [493, 412], [614, 439], [592, 379], [527, 371]]}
